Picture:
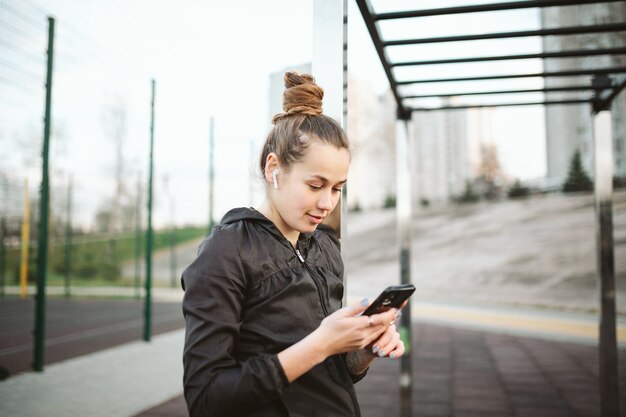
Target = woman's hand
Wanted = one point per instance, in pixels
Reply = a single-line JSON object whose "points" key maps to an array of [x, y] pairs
{"points": [[389, 344], [345, 330]]}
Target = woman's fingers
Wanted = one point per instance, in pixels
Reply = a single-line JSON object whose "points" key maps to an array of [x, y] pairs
{"points": [[354, 309], [398, 351], [376, 325], [384, 319], [388, 344], [347, 329], [381, 346], [379, 321], [392, 342]]}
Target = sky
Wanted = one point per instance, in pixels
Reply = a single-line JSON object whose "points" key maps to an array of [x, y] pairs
{"points": [[210, 58]]}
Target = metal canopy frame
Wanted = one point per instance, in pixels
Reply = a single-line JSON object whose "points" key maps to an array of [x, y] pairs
{"points": [[600, 97], [605, 85]]}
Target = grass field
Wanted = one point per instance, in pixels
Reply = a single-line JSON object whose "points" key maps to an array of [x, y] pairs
{"points": [[95, 260]]}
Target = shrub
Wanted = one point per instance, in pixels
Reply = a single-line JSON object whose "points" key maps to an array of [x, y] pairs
{"points": [[518, 190], [390, 201], [469, 195], [577, 178]]}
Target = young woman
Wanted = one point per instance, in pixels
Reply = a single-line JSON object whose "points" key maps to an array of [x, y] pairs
{"points": [[265, 331]]}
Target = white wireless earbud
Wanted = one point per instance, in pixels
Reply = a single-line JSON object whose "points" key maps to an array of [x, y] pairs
{"points": [[274, 173]]}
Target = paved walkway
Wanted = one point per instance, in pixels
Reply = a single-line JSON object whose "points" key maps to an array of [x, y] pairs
{"points": [[116, 382], [485, 371], [469, 373]]}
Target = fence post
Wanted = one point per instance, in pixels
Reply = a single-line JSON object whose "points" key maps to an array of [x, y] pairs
{"points": [[147, 319], [42, 243]]}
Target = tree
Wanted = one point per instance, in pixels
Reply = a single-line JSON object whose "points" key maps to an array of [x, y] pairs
{"points": [[390, 201], [469, 195], [518, 190], [489, 171], [114, 121], [577, 178]]}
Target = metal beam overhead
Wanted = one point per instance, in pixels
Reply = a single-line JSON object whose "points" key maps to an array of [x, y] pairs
{"points": [[570, 30], [484, 8], [544, 55], [573, 73], [367, 13], [605, 104], [535, 90], [481, 106]]}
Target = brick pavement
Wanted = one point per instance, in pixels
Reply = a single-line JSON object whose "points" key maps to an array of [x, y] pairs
{"points": [[469, 373], [457, 373]]}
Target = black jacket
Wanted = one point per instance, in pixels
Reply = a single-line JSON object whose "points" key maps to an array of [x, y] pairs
{"points": [[248, 296]]}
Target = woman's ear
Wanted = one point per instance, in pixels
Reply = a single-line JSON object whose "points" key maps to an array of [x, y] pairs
{"points": [[272, 168]]}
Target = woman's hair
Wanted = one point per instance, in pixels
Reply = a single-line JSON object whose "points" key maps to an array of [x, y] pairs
{"points": [[301, 122]]}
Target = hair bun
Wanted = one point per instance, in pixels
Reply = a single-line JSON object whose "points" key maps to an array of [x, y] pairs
{"points": [[301, 96]]}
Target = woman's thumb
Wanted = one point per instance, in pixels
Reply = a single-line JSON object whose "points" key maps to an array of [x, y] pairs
{"points": [[357, 308]]}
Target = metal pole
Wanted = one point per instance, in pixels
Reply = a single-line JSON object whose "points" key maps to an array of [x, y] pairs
{"points": [[42, 246], [603, 188], [328, 54], [329, 63], [211, 172], [147, 330], [404, 217], [343, 203], [68, 238], [138, 237]]}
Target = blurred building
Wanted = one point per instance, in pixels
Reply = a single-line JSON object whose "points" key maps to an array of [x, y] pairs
{"points": [[569, 128], [371, 131], [453, 147]]}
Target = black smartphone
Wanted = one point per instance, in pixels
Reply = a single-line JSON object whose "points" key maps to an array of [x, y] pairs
{"points": [[391, 297]]}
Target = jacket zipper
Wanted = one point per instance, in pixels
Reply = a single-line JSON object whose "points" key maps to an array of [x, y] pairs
{"points": [[319, 293], [317, 285]]}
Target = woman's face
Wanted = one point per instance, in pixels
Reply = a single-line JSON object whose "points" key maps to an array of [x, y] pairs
{"points": [[310, 189]]}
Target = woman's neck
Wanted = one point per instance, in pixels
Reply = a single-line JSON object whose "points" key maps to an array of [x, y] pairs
{"points": [[268, 211]]}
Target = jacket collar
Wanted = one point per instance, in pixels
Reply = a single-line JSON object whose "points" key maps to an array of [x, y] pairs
{"points": [[250, 214]]}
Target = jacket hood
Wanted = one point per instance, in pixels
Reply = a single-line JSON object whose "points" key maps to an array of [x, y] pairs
{"points": [[244, 213], [250, 214]]}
